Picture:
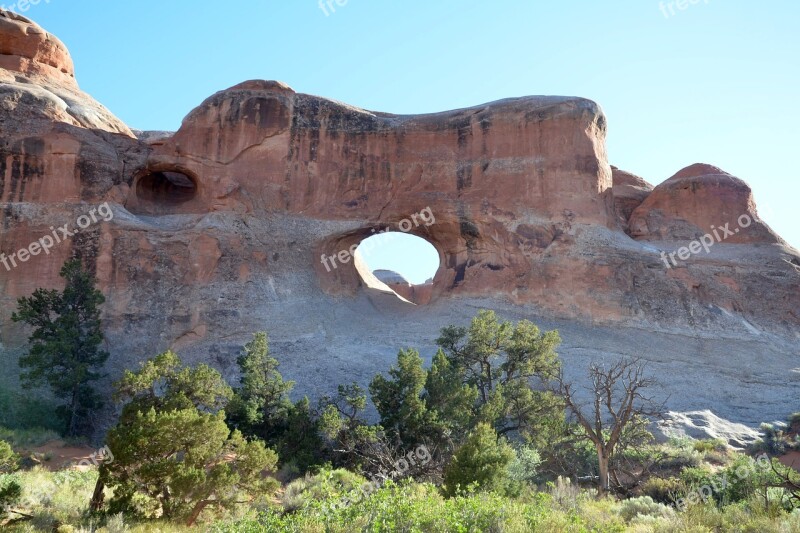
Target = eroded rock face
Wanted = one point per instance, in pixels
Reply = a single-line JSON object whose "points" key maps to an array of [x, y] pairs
{"points": [[419, 294], [232, 225], [28, 49], [699, 200], [38, 88], [629, 191]]}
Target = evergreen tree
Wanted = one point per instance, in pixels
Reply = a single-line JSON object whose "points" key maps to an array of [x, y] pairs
{"points": [[301, 445], [450, 398], [346, 433], [261, 404], [65, 349], [404, 415], [511, 367], [174, 455], [261, 408], [482, 462]]}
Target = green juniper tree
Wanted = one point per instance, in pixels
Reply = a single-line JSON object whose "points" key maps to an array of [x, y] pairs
{"points": [[450, 397], [482, 462], [344, 429], [173, 452], [404, 414], [510, 366], [65, 351], [261, 405], [261, 408]]}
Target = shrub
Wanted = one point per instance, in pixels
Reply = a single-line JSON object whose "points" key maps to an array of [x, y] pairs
{"points": [[742, 477], [564, 494], [481, 462], [696, 477], [524, 467], [664, 490], [709, 445], [54, 498], [10, 492], [773, 440], [643, 506], [8, 459], [116, 524], [680, 454], [327, 485]]}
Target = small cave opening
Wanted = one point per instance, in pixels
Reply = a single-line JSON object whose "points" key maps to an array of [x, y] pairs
{"points": [[168, 188], [403, 262]]}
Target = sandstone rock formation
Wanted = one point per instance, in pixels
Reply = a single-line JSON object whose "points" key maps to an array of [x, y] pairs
{"points": [[629, 192], [694, 202], [419, 294], [223, 227]]}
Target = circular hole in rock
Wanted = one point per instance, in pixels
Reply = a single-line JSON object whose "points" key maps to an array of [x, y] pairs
{"points": [[405, 263]]}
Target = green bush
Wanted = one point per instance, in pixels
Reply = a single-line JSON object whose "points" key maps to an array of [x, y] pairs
{"points": [[709, 445], [327, 485], [10, 493], [482, 462], [743, 478], [416, 507], [696, 477], [680, 454], [8, 459], [664, 490], [643, 506], [525, 466]]}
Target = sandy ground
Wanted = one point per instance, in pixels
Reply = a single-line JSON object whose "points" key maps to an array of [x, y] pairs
{"points": [[62, 455]]}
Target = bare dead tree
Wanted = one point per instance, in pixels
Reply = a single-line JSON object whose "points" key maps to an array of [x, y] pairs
{"points": [[384, 459], [619, 412], [787, 479]]}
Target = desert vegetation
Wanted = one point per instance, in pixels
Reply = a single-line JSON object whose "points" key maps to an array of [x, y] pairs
{"points": [[489, 436]]}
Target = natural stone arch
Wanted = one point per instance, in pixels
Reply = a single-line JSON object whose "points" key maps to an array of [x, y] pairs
{"points": [[348, 274], [384, 260]]}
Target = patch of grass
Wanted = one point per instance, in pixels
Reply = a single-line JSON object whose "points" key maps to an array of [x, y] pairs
{"points": [[27, 438], [22, 411], [709, 445]]}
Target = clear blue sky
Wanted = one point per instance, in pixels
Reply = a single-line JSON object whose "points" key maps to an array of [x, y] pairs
{"points": [[714, 83]]}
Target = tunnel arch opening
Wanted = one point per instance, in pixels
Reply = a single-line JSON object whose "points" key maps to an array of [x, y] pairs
{"points": [[160, 190], [166, 187], [404, 263]]}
